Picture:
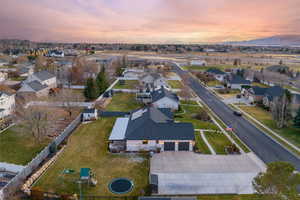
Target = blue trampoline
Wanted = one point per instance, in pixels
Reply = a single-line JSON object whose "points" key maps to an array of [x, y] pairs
{"points": [[120, 186]]}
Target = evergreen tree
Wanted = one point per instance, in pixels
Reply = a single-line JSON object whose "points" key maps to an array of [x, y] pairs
{"points": [[101, 81], [90, 91], [297, 119]]}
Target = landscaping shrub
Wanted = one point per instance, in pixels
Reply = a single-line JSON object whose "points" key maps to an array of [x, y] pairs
{"points": [[203, 116]]}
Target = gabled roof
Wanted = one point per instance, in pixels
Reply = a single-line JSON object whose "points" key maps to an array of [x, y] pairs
{"points": [[215, 71], [274, 91], [155, 76], [36, 85], [239, 80], [43, 75], [161, 93], [153, 124], [259, 90]]}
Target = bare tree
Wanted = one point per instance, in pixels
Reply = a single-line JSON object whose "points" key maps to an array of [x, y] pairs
{"points": [[36, 121], [281, 109]]}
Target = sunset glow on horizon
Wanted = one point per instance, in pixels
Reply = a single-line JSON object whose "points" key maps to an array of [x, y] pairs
{"points": [[148, 21]]}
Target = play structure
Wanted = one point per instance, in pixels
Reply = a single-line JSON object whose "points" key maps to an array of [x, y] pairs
{"points": [[120, 186]]}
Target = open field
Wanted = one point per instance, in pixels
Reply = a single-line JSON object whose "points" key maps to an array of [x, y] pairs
{"points": [[213, 83], [18, 146], [175, 84], [265, 117], [188, 102], [218, 141], [129, 84], [187, 115], [87, 147], [200, 144], [123, 102]]}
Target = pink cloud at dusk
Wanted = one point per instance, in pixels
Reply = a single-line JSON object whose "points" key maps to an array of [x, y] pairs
{"points": [[150, 21]]}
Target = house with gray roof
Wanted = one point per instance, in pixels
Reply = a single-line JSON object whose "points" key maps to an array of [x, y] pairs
{"points": [[159, 98], [34, 88], [218, 74], [254, 93], [151, 129], [154, 79], [237, 82], [44, 77], [271, 94]]}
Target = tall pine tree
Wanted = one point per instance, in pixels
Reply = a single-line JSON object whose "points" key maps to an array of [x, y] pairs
{"points": [[297, 119], [101, 81], [90, 91]]}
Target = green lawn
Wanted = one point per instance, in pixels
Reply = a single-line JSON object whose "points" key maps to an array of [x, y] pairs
{"points": [[188, 116], [188, 102], [87, 147], [230, 197], [200, 144], [123, 102], [175, 84], [213, 83], [129, 84], [18, 147], [265, 117], [218, 141]]}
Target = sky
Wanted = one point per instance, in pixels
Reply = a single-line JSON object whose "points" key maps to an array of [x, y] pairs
{"points": [[147, 21]]}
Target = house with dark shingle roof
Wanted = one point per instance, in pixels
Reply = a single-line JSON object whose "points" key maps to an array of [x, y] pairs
{"points": [[34, 88], [160, 98], [271, 94], [255, 93], [237, 82], [218, 74], [44, 77], [151, 129]]}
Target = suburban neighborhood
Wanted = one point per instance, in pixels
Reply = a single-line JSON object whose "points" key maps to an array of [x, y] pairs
{"points": [[92, 108]]}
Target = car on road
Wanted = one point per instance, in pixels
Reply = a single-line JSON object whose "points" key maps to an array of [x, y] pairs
{"points": [[237, 113]]}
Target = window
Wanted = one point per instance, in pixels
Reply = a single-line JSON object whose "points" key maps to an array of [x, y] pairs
{"points": [[145, 141]]}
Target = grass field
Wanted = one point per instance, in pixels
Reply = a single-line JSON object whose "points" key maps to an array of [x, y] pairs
{"points": [[18, 146], [200, 144], [123, 102], [259, 85], [230, 197], [213, 83], [87, 147], [188, 116], [188, 102], [289, 133], [175, 84], [129, 84], [218, 141]]}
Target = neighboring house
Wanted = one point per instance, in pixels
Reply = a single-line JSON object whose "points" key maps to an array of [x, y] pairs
{"points": [[44, 77], [198, 63], [3, 62], [26, 71], [254, 94], [154, 79], [89, 114], [34, 88], [151, 129], [236, 82], [271, 94], [132, 73], [56, 53], [3, 76], [163, 98], [295, 104], [7, 101], [218, 74]]}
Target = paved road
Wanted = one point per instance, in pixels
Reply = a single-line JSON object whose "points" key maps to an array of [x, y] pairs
{"points": [[263, 146]]}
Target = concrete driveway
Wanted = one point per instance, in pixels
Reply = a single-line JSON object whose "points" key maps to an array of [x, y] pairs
{"points": [[188, 173]]}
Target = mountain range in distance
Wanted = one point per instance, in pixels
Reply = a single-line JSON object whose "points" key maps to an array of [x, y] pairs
{"points": [[277, 40]]}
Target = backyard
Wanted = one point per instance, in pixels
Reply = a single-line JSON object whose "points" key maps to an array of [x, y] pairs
{"points": [[265, 117], [123, 102], [18, 146], [87, 147], [174, 84], [127, 84]]}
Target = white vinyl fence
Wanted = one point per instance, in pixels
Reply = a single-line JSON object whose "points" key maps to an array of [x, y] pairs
{"points": [[20, 178]]}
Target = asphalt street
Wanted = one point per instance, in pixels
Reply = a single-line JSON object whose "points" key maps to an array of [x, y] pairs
{"points": [[263, 146]]}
